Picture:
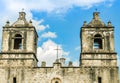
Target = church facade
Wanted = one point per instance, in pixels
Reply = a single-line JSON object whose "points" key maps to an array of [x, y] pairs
{"points": [[98, 59]]}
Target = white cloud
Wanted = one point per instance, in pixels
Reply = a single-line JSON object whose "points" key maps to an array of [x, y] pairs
{"points": [[9, 8], [39, 26], [48, 53], [51, 5], [49, 35]]}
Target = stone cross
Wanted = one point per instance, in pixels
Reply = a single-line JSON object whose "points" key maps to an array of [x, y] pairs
{"points": [[57, 49]]}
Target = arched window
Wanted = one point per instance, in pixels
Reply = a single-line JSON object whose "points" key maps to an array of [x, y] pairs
{"points": [[18, 41], [98, 42], [56, 82]]}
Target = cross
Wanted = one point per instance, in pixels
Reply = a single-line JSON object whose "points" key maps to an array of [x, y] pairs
{"points": [[22, 9], [57, 50]]}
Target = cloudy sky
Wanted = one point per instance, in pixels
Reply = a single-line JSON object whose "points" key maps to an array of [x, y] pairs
{"points": [[58, 22]]}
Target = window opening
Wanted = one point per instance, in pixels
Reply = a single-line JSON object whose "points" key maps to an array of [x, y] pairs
{"points": [[98, 42], [14, 80], [56, 82], [99, 80], [18, 42]]}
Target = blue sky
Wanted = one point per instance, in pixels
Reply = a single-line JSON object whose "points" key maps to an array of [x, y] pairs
{"points": [[58, 22]]}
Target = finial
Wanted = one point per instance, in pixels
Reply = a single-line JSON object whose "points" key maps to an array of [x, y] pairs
{"points": [[109, 23], [70, 64], [85, 23], [96, 15], [30, 23], [22, 14], [7, 23], [43, 64], [62, 60]]}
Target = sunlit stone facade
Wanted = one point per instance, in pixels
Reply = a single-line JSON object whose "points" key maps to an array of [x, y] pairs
{"points": [[98, 60]]}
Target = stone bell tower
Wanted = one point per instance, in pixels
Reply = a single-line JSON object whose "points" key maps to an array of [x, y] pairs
{"points": [[19, 43], [97, 50], [97, 43]]}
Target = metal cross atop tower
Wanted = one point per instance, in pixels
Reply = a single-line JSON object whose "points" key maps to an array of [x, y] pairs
{"points": [[23, 9], [57, 50]]}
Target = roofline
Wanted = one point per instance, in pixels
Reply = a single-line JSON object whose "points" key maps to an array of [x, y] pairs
{"points": [[99, 53], [98, 27]]}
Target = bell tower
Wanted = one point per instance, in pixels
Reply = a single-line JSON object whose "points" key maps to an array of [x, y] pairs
{"points": [[97, 43], [19, 43]]}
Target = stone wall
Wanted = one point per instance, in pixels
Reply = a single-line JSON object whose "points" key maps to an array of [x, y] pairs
{"points": [[58, 73]]}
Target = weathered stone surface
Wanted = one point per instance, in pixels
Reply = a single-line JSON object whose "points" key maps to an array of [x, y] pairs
{"points": [[96, 65]]}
